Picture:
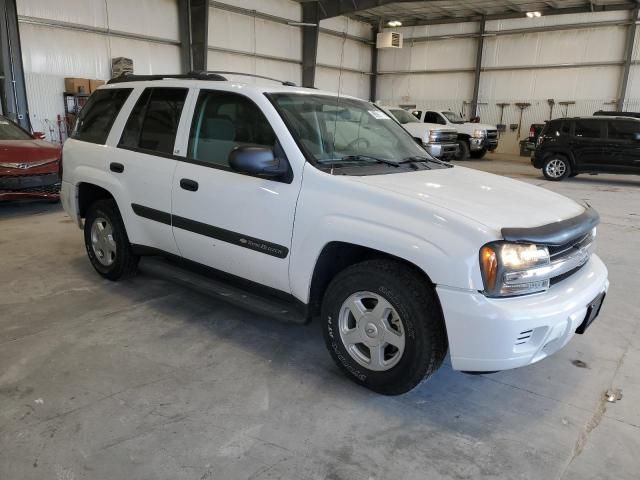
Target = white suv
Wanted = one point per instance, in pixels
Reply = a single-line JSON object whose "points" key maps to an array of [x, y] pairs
{"points": [[333, 207]]}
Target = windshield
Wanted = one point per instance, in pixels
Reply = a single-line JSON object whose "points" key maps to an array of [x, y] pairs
{"points": [[335, 130], [10, 131], [403, 116], [453, 117]]}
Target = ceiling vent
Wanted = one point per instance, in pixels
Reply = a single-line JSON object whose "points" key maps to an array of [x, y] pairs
{"points": [[389, 40]]}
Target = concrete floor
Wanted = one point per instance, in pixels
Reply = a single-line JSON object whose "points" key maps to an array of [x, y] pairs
{"points": [[146, 380]]}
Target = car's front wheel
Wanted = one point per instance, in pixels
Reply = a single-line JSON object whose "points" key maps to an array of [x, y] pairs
{"points": [[463, 150], [383, 326], [107, 243], [556, 168]]}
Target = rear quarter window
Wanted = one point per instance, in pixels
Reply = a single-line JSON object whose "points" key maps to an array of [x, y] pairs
{"points": [[588, 128], [97, 116]]}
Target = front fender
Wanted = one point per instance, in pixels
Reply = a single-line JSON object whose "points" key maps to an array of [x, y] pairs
{"points": [[444, 246]]}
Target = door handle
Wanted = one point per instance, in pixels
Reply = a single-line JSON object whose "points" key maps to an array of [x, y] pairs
{"points": [[190, 185], [116, 167]]}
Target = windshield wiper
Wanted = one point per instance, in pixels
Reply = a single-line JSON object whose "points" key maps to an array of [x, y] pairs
{"points": [[367, 158]]}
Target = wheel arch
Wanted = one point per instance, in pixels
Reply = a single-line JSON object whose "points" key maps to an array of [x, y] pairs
{"points": [[336, 256], [89, 193]]}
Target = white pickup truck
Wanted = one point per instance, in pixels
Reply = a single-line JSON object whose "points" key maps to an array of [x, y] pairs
{"points": [[440, 142], [326, 205], [474, 139]]}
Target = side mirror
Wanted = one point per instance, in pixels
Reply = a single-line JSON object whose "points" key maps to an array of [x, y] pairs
{"points": [[256, 160], [39, 136]]}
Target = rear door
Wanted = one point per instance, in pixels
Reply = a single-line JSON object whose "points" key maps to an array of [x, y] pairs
{"points": [[588, 143], [623, 147], [145, 164], [236, 223]]}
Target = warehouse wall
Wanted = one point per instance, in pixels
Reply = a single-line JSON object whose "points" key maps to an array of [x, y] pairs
{"points": [[240, 41], [517, 68], [78, 38], [69, 38]]}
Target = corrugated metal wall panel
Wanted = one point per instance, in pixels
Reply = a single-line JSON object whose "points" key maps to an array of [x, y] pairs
{"points": [[51, 53], [235, 31], [591, 88], [148, 17]]}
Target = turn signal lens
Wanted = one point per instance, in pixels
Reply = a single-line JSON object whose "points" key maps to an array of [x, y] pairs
{"points": [[489, 263]]}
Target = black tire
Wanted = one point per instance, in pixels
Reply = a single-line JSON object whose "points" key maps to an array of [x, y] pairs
{"points": [[479, 153], [463, 150], [124, 263], [419, 310], [556, 168]]}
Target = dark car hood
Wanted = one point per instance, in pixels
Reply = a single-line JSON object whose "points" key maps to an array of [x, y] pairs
{"points": [[26, 151]]}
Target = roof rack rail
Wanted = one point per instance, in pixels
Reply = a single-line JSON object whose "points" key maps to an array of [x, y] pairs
{"points": [[194, 75], [130, 77], [253, 75]]}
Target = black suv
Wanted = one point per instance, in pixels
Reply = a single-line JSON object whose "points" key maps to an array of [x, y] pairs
{"points": [[569, 146]]}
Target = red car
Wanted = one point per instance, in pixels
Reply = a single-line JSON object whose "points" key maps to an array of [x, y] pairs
{"points": [[29, 166]]}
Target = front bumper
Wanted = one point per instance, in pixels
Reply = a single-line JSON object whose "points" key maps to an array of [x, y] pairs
{"points": [[490, 334], [483, 143], [442, 150], [15, 187]]}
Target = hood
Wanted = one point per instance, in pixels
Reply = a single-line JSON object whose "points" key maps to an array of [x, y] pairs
{"points": [[494, 201], [26, 151]]}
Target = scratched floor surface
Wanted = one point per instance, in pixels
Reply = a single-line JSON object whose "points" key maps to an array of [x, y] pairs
{"points": [[146, 380]]}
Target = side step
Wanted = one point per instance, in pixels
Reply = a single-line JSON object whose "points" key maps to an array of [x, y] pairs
{"points": [[212, 285]]}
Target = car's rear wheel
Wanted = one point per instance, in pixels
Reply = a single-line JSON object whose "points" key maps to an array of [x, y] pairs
{"points": [[383, 326], [556, 168], [107, 243]]}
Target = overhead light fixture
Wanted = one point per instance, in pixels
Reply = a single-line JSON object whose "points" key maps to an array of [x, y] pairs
{"points": [[533, 14], [394, 23]]}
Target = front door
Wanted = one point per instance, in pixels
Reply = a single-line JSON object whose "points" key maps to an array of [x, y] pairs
{"points": [[236, 223]]}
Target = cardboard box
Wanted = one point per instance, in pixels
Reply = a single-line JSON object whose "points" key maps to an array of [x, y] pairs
{"points": [[93, 84], [77, 85]]}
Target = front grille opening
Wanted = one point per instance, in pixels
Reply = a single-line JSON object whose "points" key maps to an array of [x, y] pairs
{"points": [[45, 189]]}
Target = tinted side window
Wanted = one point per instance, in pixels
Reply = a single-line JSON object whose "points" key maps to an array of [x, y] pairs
{"points": [[623, 130], [432, 117], [223, 121], [97, 116], [153, 122], [556, 128], [587, 128]]}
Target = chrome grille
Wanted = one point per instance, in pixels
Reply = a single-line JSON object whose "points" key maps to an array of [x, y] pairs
{"points": [[445, 137], [491, 134], [571, 256]]}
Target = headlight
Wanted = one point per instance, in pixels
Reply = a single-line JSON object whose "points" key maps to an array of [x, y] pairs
{"points": [[514, 269], [477, 133], [433, 137]]}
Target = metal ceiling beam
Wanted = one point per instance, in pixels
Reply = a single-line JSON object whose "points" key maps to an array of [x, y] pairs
{"points": [[199, 28], [505, 16], [373, 80], [476, 75], [631, 36], [14, 91], [184, 28], [335, 8], [310, 34]]}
